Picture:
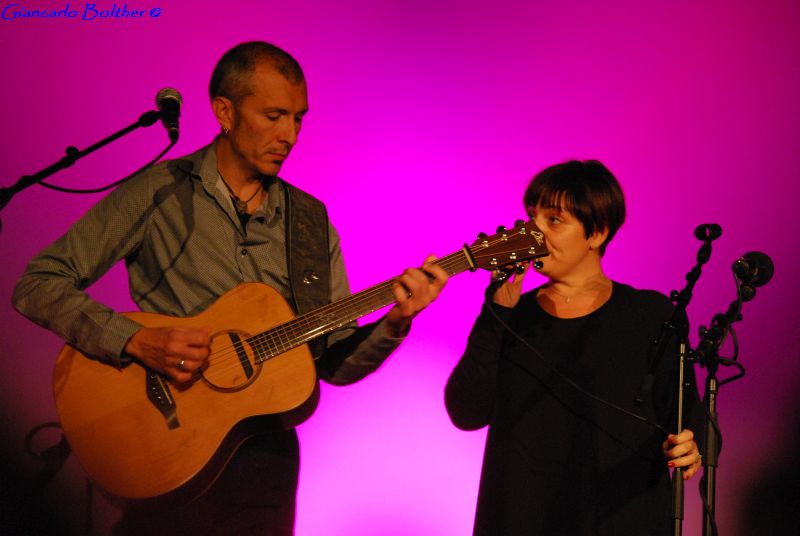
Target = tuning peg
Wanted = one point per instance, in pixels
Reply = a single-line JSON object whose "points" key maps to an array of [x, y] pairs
{"points": [[481, 236], [538, 264], [501, 229], [519, 223], [519, 268], [499, 275]]}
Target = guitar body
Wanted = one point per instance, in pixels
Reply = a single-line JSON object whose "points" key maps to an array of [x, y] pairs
{"points": [[130, 448]]}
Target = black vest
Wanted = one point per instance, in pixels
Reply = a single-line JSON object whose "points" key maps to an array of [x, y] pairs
{"points": [[307, 254]]}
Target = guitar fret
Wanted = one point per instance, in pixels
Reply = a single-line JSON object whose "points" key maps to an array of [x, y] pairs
{"points": [[285, 341], [255, 346]]}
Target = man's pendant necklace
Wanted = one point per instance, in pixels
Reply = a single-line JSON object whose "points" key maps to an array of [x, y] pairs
{"points": [[239, 205]]}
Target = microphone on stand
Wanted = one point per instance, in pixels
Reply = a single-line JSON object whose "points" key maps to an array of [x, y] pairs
{"points": [[751, 270], [754, 268], [168, 102]]}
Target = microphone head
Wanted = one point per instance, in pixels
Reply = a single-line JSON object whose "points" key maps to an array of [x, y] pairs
{"points": [[166, 95], [754, 268], [708, 231], [168, 102]]}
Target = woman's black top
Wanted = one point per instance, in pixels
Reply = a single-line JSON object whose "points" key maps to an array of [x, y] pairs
{"points": [[557, 460]]}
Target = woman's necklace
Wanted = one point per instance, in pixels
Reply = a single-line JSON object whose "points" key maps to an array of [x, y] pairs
{"points": [[239, 205], [568, 298]]}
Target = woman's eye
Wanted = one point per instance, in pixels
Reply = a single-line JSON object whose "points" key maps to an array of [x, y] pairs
{"points": [[273, 117]]}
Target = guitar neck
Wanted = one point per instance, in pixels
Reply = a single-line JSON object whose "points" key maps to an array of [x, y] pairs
{"points": [[318, 322]]}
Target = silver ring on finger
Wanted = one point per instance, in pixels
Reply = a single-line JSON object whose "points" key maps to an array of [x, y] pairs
{"points": [[181, 365]]}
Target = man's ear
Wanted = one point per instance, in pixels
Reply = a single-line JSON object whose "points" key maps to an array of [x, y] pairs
{"points": [[224, 111]]}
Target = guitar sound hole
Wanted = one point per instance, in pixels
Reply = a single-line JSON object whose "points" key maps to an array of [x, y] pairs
{"points": [[233, 363]]}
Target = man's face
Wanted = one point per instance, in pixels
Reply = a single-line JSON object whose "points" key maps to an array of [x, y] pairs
{"points": [[266, 122]]}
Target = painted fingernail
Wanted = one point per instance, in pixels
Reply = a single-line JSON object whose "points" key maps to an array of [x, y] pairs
{"points": [[671, 464]]}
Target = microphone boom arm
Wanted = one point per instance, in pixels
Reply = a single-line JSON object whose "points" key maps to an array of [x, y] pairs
{"points": [[72, 155]]}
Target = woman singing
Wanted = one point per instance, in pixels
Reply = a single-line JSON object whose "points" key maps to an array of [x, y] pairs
{"points": [[554, 373]]}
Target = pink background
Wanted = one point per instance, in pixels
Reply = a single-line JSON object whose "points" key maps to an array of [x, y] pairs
{"points": [[427, 121]]}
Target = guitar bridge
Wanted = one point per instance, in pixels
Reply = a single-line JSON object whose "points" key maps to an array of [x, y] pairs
{"points": [[159, 394]]}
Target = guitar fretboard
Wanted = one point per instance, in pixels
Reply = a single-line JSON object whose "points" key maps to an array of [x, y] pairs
{"points": [[304, 328]]}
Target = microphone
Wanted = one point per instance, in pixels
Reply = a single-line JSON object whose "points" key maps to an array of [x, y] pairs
{"points": [[168, 102], [708, 231], [754, 268]]}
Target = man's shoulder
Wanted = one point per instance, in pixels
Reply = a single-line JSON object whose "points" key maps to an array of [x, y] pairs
{"points": [[169, 171], [185, 166]]}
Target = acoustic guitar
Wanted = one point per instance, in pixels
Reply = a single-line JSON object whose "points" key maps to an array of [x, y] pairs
{"points": [[140, 436]]}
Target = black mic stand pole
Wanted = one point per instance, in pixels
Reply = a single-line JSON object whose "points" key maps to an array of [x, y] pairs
{"points": [[711, 459], [678, 325], [707, 355], [72, 156]]}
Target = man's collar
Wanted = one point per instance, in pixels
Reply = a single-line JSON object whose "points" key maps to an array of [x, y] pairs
{"points": [[202, 165]]}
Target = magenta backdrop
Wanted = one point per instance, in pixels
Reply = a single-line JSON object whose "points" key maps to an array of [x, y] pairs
{"points": [[427, 120]]}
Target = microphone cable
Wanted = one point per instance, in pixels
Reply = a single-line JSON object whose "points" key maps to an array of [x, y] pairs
{"points": [[561, 375], [113, 184]]}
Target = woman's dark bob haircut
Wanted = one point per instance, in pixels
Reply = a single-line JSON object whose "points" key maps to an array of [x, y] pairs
{"points": [[587, 190]]}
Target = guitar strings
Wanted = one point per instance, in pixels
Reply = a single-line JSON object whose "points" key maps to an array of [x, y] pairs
{"points": [[289, 329], [269, 343]]}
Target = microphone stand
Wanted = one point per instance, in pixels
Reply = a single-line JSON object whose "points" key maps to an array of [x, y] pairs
{"points": [[72, 156], [707, 355], [678, 326]]}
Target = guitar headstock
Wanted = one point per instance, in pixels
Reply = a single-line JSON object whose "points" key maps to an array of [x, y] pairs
{"points": [[523, 242]]}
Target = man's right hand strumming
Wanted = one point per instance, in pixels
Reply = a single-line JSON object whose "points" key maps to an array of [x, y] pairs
{"points": [[175, 352]]}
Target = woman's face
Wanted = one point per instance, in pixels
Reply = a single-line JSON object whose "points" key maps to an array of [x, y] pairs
{"points": [[572, 254]]}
